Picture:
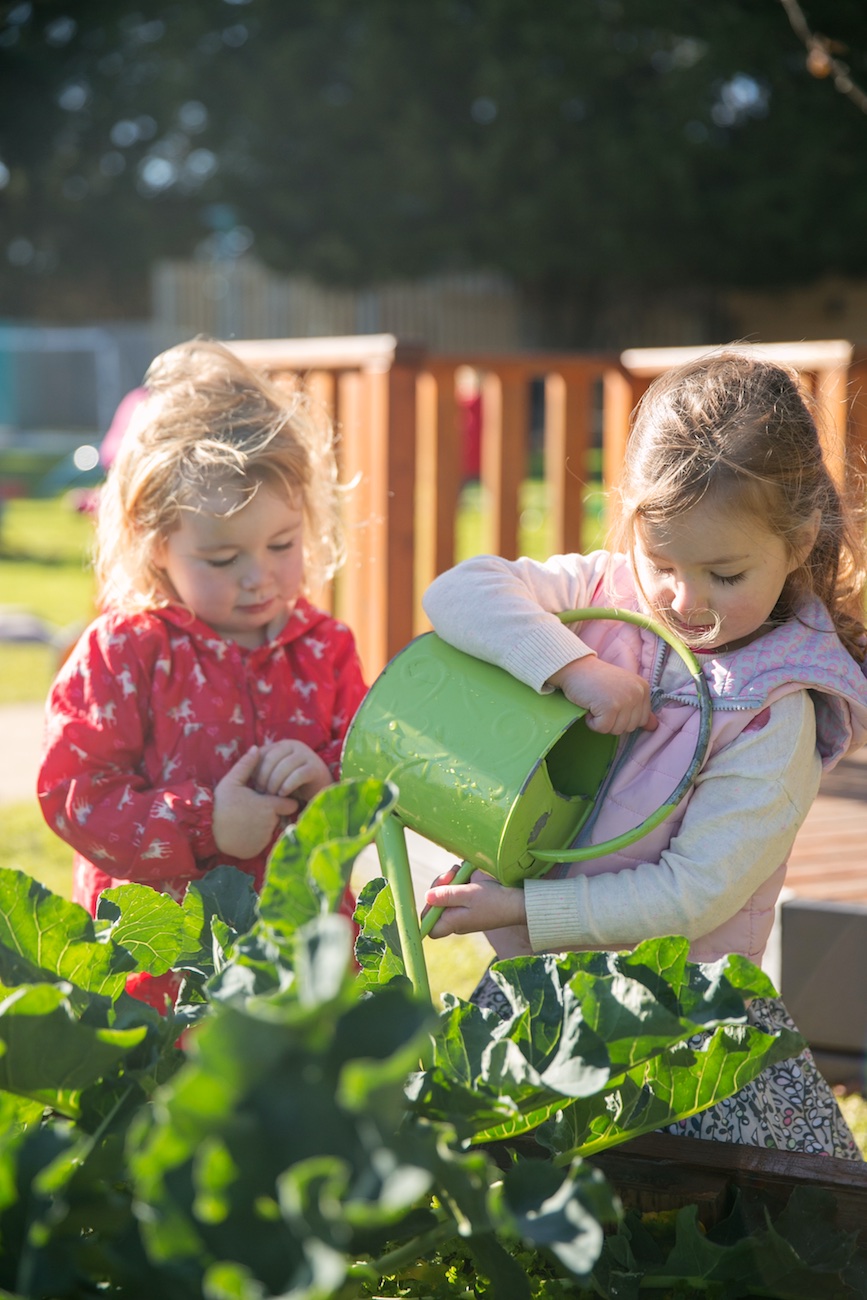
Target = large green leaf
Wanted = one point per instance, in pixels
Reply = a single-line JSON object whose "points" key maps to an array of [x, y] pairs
{"points": [[677, 1083], [598, 1036], [43, 937], [150, 926], [561, 1211], [308, 870], [50, 1054], [223, 901], [378, 947]]}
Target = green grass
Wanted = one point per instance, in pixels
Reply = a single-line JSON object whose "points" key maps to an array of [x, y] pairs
{"points": [[854, 1108], [533, 532], [28, 845], [43, 569]]}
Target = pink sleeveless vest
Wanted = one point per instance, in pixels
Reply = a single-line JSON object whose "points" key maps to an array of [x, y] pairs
{"points": [[802, 654]]}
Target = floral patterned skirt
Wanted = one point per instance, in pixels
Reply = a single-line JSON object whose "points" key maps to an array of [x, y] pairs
{"points": [[789, 1105]]}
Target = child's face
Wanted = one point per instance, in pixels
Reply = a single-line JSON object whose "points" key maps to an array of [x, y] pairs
{"points": [[237, 572], [712, 561]]}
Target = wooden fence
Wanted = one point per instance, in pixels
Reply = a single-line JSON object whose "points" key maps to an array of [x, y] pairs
{"points": [[397, 413]]}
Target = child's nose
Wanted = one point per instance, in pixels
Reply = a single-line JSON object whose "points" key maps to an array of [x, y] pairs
{"points": [[253, 575], [687, 597]]}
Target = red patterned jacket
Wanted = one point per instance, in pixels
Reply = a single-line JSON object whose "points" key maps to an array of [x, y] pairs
{"points": [[151, 710]]}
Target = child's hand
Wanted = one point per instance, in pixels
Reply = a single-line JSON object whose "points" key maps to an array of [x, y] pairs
{"points": [[616, 700], [290, 767], [245, 821], [482, 904]]}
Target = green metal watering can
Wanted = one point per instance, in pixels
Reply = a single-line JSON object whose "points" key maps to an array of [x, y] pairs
{"points": [[488, 769]]}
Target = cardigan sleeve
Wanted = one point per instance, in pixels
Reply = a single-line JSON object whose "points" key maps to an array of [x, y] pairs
{"points": [[505, 611], [748, 804], [92, 784]]}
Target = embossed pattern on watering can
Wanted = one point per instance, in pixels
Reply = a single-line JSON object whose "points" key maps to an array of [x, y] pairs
{"points": [[461, 739]]}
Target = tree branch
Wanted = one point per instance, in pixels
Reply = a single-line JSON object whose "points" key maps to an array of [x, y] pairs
{"points": [[821, 62]]}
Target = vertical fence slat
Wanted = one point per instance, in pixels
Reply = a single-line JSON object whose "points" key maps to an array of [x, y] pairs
{"points": [[832, 394], [504, 453], [353, 583], [321, 389], [568, 414], [392, 448], [856, 434], [438, 478]]}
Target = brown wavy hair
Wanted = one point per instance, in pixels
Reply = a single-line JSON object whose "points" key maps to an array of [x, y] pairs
{"points": [[733, 426], [210, 418]]}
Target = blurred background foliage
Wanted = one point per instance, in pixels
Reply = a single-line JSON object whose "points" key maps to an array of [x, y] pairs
{"points": [[577, 146]]}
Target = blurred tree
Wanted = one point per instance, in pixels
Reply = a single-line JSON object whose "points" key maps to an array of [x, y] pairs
{"points": [[575, 145]]}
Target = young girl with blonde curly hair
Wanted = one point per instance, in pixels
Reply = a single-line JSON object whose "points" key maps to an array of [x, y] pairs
{"points": [[209, 700]]}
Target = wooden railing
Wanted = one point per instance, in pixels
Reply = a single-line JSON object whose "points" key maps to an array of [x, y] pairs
{"points": [[396, 411]]}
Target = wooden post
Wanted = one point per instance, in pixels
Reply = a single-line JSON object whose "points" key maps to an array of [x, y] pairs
{"points": [[504, 453], [856, 437], [568, 407], [391, 453], [353, 585], [832, 394], [438, 479], [620, 395]]}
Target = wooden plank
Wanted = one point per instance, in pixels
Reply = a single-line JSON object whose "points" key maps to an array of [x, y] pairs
{"points": [[504, 454], [828, 859], [567, 438], [661, 1171], [438, 481], [353, 352], [819, 354]]}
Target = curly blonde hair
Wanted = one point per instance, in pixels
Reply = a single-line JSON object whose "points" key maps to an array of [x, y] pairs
{"points": [[733, 426], [209, 418]]}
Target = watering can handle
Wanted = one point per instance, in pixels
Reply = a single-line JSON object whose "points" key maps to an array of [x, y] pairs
{"points": [[705, 712]]}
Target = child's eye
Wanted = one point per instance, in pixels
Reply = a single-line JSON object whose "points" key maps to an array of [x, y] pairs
{"points": [[281, 546], [730, 578], [222, 564]]}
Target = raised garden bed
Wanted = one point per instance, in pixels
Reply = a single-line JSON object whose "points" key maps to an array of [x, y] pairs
{"points": [[660, 1172]]}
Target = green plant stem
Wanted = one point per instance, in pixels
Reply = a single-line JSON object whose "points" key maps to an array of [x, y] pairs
{"points": [[391, 846]]}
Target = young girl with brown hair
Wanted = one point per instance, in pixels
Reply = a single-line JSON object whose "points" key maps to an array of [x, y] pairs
{"points": [[732, 532]]}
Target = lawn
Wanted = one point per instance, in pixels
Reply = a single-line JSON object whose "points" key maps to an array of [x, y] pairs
{"points": [[44, 547]]}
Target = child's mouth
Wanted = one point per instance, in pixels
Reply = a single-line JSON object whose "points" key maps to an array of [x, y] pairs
{"points": [[691, 630]]}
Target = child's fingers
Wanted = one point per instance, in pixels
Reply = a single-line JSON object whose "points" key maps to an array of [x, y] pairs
{"points": [[281, 806], [281, 774], [241, 771], [445, 877], [272, 761]]}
